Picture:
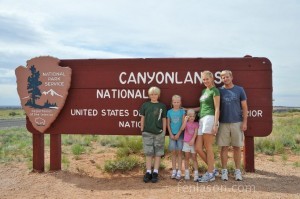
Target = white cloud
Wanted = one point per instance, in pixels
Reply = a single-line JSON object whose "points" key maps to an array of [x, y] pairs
{"points": [[169, 28], [7, 73]]}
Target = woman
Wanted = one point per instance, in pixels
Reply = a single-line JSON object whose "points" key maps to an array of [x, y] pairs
{"points": [[208, 124]]}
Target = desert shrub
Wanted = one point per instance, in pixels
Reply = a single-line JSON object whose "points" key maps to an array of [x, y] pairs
{"points": [[67, 140], [123, 152], [296, 149], [77, 149], [284, 157], [285, 135], [65, 162], [112, 141], [265, 146], [15, 144], [13, 114], [84, 140], [135, 144], [279, 147], [296, 164], [121, 164]]}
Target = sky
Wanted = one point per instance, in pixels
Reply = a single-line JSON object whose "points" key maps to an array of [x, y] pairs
{"points": [[77, 29]]}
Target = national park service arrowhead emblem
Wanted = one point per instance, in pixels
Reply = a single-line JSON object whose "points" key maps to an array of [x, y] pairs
{"points": [[43, 88]]}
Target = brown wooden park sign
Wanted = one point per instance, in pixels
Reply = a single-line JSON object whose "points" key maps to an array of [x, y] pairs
{"points": [[103, 96]]}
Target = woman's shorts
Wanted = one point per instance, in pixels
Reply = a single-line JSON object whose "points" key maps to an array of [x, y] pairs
{"points": [[153, 144], [206, 124]]}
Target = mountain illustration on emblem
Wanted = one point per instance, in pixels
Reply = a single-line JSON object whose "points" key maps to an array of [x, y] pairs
{"points": [[51, 92]]}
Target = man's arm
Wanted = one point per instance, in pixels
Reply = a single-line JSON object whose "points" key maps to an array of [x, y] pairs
{"points": [[245, 115]]}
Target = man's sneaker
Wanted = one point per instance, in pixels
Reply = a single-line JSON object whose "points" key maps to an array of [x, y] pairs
{"points": [[224, 175], [178, 175], [187, 175], [216, 172], [154, 177], [173, 176], [238, 175], [207, 178], [147, 177]]}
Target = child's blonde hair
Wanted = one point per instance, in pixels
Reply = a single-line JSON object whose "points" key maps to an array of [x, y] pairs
{"points": [[190, 111], [175, 97], [154, 90]]}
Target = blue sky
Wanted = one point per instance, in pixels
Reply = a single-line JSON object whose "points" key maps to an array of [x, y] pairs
{"points": [[157, 28]]}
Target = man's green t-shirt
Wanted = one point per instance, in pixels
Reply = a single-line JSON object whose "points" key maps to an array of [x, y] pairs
{"points": [[154, 113], [207, 106]]}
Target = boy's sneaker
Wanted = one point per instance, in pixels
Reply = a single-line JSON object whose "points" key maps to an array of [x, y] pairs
{"points": [[178, 175], [216, 172], [224, 175], [207, 178], [173, 176], [238, 175], [154, 177], [187, 175], [147, 177]]}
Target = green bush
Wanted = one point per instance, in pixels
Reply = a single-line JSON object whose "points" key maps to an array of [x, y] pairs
{"points": [[135, 144], [123, 152], [296, 164], [113, 141], [121, 164], [84, 140], [65, 162], [13, 114], [296, 149], [77, 149]]}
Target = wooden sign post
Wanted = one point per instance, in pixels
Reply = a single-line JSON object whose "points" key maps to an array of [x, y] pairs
{"points": [[106, 94]]}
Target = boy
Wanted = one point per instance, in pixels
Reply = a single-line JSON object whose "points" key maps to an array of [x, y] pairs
{"points": [[153, 128]]}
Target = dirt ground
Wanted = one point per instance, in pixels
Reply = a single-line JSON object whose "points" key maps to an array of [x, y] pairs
{"points": [[274, 178]]}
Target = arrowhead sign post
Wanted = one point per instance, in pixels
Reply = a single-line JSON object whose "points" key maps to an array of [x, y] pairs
{"points": [[106, 94], [43, 89]]}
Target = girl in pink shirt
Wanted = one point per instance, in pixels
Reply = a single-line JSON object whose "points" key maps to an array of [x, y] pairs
{"points": [[190, 134]]}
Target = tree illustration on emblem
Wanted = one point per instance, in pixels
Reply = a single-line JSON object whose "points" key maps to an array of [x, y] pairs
{"points": [[33, 87]]}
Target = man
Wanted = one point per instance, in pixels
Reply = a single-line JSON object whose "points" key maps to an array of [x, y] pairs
{"points": [[233, 123]]}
